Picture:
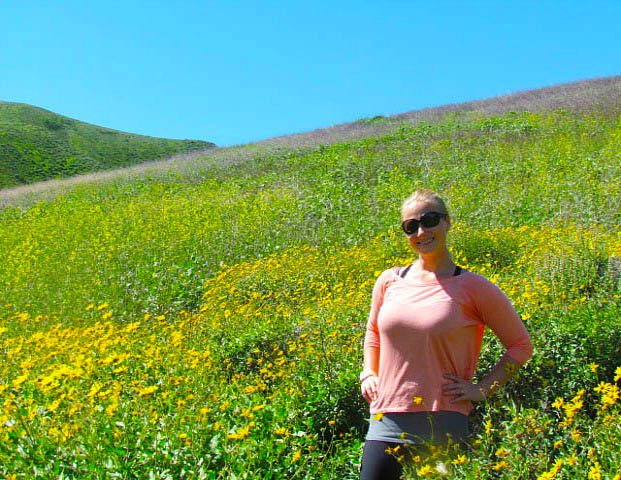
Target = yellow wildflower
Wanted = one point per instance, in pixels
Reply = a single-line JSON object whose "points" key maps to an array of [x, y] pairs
{"points": [[558, 403], [240, 434], [19, 380], [114, 405], [52, 407], [147, 390], [502, 452], [424, 470], [550, 474], [571, 461], [94, 390], [595, 472], [610, 397]]}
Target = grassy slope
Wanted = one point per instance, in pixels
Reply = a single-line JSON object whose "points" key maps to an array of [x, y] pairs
{"points": [[274, 263], [601, 94], [36, 145]]}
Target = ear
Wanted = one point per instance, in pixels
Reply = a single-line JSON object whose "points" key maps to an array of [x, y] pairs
{"points": [[448, 221]]}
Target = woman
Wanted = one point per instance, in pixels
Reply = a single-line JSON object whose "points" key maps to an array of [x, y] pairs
{"points": [[423, 340]]}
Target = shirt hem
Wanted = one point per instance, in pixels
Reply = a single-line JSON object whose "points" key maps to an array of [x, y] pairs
{"points": [[465, 411], [377, 438]]}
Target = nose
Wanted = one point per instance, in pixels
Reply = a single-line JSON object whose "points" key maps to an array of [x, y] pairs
{"points": [[421, 229]]}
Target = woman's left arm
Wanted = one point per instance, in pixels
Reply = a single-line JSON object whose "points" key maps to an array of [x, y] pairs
{"points": [[496, 311], [495, 380]]}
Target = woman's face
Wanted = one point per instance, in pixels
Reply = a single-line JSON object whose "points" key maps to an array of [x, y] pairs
{"points": [[431, 239]]}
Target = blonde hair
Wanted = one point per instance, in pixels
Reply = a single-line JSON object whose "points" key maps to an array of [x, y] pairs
{"points": [[426, 196]]}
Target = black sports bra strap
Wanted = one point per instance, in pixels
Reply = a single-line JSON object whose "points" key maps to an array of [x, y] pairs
{"points": [[403, 272]]}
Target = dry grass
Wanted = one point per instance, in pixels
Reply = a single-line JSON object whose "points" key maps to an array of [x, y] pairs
{"points": [[599, 93], [596, 94], [181, 163]]}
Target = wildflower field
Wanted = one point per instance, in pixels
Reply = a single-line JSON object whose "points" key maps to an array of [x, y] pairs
{"points": [[208, 323]]}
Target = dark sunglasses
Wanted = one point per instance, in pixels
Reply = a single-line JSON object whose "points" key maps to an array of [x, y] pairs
{"points": [[428, 220]]}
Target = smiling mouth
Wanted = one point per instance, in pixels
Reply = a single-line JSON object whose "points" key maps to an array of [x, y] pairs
{"points": [[424, 243]]}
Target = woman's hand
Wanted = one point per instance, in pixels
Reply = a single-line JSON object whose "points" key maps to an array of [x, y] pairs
{"points": [[462, 390], [369, 388]]}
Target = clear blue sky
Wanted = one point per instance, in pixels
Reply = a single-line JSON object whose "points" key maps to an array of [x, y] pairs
{"points": [[237, 71]]}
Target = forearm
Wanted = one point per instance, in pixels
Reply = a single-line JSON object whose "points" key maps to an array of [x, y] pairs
{"points": [[498, 376], [371, 360]]}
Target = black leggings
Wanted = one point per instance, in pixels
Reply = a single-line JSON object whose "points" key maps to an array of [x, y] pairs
{"points": [[377, 464]]}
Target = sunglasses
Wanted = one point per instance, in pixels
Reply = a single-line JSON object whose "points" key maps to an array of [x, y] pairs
{"points": [[428, 220]]}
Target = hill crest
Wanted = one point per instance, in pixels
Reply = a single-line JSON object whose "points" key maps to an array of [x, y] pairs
{"points": [[37, 144], [594, 94]]}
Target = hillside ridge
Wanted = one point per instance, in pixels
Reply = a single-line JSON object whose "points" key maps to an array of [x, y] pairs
{"points": [[599, 93], [37, 144]]}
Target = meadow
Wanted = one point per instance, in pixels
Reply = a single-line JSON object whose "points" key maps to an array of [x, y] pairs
{"points": [[207, 322]]}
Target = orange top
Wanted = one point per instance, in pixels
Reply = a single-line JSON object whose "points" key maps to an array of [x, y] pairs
{"points": [[426, 329]]}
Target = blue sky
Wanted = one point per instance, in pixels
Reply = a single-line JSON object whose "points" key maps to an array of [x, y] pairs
{"points": [[233, 72]]}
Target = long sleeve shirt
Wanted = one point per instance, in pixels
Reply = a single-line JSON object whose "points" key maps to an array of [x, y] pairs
{"points": [[426, 329]]}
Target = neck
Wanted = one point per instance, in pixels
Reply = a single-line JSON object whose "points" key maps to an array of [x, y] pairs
{"points": [[437, 263]]}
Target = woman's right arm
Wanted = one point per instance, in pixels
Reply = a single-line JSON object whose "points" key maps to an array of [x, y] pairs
{"points": [[368, 384], [368, 377]]}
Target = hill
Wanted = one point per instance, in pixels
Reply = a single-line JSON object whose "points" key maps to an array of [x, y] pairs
{"points": [[204, 318], [597, 96], [36, 145]]}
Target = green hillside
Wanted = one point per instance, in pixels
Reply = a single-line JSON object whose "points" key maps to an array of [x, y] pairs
{"points": [[36, 145], [205, 320]]}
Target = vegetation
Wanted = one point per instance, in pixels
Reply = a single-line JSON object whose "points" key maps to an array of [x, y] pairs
{"points": [[36, 145], [208, 322]]}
